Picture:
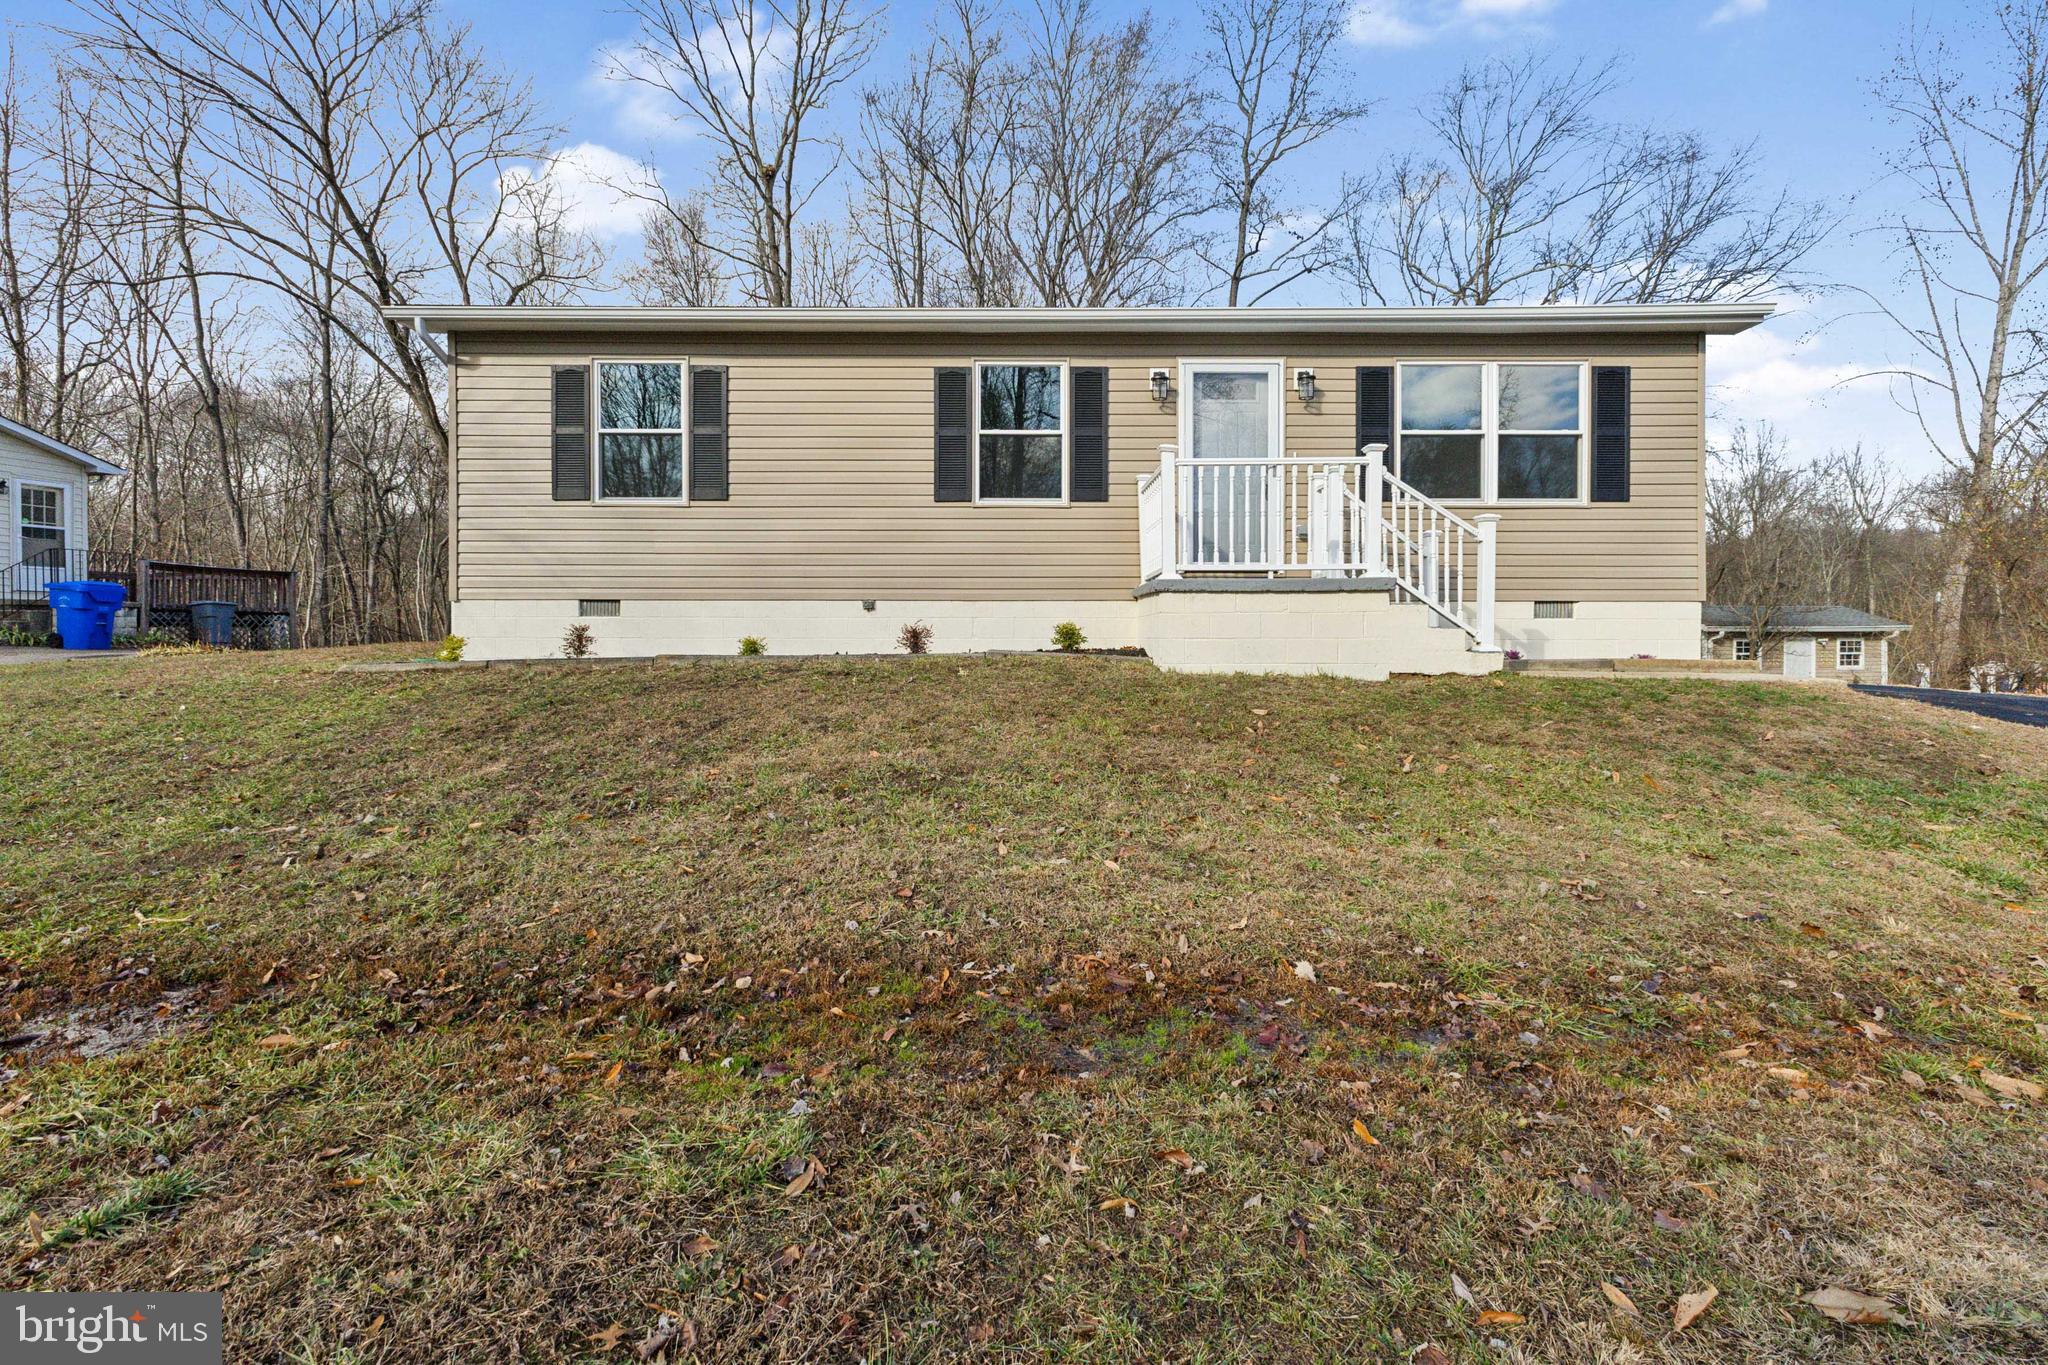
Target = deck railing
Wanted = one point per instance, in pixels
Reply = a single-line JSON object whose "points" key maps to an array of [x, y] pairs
{"points": [[1345, 518]]}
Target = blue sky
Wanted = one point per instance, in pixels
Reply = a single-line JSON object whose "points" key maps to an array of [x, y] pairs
{"points": [[1792, 75]]}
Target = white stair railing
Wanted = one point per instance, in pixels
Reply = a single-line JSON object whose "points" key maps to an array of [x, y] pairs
{"points": [[1433, 555], [1345, 518]]}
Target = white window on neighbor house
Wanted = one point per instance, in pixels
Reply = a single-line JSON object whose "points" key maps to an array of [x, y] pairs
{"points": [[1848, 653], [641, 446], [1745, 648], [43, 534], [1020, 432], [1494, 431]]}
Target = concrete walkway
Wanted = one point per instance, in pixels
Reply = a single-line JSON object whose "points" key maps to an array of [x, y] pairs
{"points": [[24, 654]]}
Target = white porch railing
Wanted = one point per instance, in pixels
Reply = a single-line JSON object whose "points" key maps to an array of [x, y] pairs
{"points": [[1324, 518]]}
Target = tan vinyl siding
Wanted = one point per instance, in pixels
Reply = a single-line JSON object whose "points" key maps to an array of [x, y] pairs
{"points": [[1825, 654], [831, 473]]}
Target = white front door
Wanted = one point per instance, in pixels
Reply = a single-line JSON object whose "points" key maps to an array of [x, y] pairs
{"points": [[1799, 657], [1230, 430]]}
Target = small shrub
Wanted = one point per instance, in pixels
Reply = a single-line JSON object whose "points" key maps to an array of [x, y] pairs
{"points": [[1513, 654], [451, 649], [28, 639], [578, 642], [1068, 637], [752, 645], [915, 638]]}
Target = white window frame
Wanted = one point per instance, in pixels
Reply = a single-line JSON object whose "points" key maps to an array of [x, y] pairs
{"points": [[598, 430], [1843, 643], [1066, 434], [1745, 650], [21, 522], [1489, 430]]}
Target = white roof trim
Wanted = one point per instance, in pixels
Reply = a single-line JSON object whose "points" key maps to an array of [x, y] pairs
{"points": [[50, 445], [1718, 318]]}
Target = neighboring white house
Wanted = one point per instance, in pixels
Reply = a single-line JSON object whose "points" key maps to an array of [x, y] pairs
{"points": [[42, 510]]}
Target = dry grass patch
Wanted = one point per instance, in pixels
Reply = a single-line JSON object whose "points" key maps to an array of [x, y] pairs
{"points": [[1035, 1007]]}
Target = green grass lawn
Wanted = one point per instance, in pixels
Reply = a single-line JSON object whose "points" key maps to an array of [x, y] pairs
{"points": [[1021, 1008]]}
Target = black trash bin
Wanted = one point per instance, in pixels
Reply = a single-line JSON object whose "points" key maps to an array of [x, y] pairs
{"points": [[213, 623]]}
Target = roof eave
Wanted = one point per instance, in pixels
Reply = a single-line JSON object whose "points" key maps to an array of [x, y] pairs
{"points": [[1705, 318], [50, 445]]}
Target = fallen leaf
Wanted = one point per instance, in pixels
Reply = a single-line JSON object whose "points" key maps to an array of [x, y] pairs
{"points": [[1846, 1305], [2010, 1087], [1617, 1298], [981, 1334], [608, 1339], [1178, 1157], [1689, 1308], [1119, 1204], [611, 1077], [1494, 1317], [1787, 1073], [698, 1246], [1589, 1186], [278, 1040], [1431, 1355], [787, 1257], [1363, 1133], [667, 1331], [1305, 970], [801, 1181], [1463, 1291], [1670, 1222]]}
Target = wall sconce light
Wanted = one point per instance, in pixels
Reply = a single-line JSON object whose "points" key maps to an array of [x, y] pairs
{"points": [[1305, 385], [1161, 385]]}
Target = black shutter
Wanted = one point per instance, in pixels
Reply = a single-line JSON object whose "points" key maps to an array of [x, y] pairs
{"points": [[709, 461], [572, 433], [1091, 435], [952, 475], [1610, 433], [1375, 411]]}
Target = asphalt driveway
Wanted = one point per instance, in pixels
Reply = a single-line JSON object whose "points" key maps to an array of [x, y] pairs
{"points": [[2018, 708]]}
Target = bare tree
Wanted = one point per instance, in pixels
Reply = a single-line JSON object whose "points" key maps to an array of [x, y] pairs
{"points": [[754, 77], [940, 165], [1111, 197], [1272, 59], [676, 268], [1530, 196], [1757, 505], [1974, 247]]}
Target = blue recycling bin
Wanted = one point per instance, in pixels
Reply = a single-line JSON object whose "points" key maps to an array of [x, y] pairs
{"points": [[213, 623], [85, 612]]}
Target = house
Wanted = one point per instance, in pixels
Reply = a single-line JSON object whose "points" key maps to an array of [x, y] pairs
{"points": [[1360, 491], [1839, 643], [43, 532]]}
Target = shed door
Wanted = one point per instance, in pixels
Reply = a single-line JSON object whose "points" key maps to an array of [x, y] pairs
{"points": [[1799, 657]]}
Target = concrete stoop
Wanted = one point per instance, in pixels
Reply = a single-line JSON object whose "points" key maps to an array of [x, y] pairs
{"points": [[1360, 633]]}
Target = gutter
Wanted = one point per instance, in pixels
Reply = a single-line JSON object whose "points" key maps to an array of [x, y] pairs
{"points": [[1715, 318]]}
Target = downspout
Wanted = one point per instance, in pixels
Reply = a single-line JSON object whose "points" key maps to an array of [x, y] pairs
{"points": [[426, 339]]}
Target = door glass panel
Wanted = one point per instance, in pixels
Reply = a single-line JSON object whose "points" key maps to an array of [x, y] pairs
{"points": [[1233, 414], [42, 527]]}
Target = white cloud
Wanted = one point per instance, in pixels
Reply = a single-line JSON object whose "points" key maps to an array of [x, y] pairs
{"points": [[1731, 10], [622, 77], [1409, 23], [592, 185], [1813, 387], [639, 83]]}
